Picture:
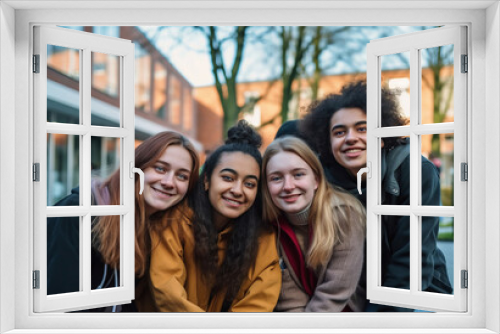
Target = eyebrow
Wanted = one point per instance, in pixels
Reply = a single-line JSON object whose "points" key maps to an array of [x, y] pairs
{"points": [[168, 164], [232, 171], [292, 170], [335, 127]]}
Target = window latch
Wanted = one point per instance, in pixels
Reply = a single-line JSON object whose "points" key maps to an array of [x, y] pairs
{"points": [[141, 175], [368, 171]]}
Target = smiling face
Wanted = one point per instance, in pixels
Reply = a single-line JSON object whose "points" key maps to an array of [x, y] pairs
{"points": [[233, 186], [348, 138], [166, 181], [291, 182]]}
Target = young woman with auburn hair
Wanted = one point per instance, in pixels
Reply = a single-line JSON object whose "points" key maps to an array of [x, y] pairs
{"points": [[320, 231], [170, 165], [218, 255]]}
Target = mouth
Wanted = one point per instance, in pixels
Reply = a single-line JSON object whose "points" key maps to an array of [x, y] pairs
{"points": [[232, 202], [353, 152], [162, 193], [290, 198]]}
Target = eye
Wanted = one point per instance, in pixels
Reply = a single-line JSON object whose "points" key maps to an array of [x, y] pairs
{"points": [[362, 128], [160, 169], [299, 175], [250, 184], [274, 178], [183, 177], [227, 178], [338, 133]]}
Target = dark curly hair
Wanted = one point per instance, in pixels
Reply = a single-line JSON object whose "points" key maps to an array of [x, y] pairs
{"points": [[315, 126], [243, 241]]}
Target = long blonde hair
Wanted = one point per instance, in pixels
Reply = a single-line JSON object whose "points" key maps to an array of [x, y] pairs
{"points": [[334, 213]]}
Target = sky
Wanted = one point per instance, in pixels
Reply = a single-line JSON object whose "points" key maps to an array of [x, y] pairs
{"points": [[187, 51]]}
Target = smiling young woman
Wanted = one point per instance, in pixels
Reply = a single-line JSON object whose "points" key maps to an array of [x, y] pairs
{"points": [[170, 165], [321, 231], [217, 255]]}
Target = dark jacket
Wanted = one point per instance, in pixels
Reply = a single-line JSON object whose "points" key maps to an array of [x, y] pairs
{"points": [[63, 247], [396, 230]]}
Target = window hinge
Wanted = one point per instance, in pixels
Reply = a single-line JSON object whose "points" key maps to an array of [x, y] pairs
{"points": [[36, 279], [465, 279], [36, 63], [465, 64], [36, 172], [464, 170]]}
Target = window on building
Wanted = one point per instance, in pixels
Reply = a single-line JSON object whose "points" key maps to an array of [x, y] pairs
{"points": [[160, 89], [187, 115], [175, 96], [142, 78]]}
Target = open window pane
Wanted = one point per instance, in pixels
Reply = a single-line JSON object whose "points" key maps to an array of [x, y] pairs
{"points": [[437, 84], [62, 167], [105, 276], [63, 82], [395, 177], [396, 78], [105, 80], [395, 260], [105, 160], [63, 255], [438, 149], [443, 251]]}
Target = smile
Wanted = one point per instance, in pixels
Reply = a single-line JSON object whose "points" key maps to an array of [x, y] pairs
{"points": [[290, 198], [231, 202], [162, 193]]}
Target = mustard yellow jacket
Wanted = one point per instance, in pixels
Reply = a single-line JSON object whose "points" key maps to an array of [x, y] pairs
{"points": [[177, 284]]}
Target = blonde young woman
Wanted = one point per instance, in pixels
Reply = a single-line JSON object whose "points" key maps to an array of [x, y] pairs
{"points": [[320, 231]]}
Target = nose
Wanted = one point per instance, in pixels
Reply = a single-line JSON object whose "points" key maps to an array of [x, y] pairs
{"points": [[288, 184], [167, 180], [236, 190], [351, 137]]}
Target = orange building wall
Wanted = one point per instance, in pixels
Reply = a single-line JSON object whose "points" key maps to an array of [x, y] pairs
{"points": [[210, 110]]}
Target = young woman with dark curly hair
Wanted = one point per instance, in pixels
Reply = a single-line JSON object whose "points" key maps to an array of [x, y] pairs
{"points": [[218, 255], [321, 231], [170, 165], [336, 128]]}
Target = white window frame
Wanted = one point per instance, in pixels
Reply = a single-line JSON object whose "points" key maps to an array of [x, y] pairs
{"points": [[414, 297], [483, 20], [86, 43]]}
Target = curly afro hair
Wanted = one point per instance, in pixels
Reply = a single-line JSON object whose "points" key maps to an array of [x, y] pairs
{"points": [[315, 127]]}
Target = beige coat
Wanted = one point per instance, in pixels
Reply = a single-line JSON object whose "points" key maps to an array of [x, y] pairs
{"points": [[337, 284]]}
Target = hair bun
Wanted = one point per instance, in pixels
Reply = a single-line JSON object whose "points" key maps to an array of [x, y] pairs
{"points": [[243, 133]]}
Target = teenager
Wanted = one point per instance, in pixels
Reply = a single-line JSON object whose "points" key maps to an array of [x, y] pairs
{"points": [[217, 254], [320, 229], [336, 128], [170, 165]]}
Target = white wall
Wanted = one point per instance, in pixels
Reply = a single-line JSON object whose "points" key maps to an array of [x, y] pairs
{"points": [[492, 152], [7, 167]]}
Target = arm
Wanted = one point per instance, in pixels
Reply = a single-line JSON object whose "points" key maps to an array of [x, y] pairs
{"points": [[260, 291], [342, 275], [168, 272]]}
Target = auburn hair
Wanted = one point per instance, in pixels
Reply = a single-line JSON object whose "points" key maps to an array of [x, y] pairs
{"points": [[106, 230]]}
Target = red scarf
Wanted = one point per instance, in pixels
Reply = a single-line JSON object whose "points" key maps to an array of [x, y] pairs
{"points": [[291, 247]]}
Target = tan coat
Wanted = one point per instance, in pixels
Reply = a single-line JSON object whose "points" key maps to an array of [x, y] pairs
{"points": [[177, 284], [337, 285]]}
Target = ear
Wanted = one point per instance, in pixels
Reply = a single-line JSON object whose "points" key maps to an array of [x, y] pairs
{"points": [[205, 182], [382, 143], [315, 183]]}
